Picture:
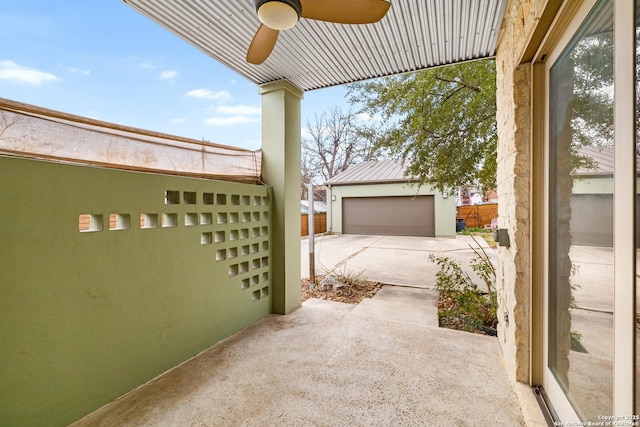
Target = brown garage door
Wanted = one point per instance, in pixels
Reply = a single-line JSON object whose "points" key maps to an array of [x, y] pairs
{"points": [[389, 216], [592, 219]]}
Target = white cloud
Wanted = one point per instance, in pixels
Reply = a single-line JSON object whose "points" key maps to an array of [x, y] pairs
{"points": [[369, 118], [168, 74], [221, 95], [230, 120], [75, 70], [234, 114], [9, 70], [249, 110]]}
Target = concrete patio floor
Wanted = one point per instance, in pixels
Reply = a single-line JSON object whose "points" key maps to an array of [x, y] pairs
{"points": [[383, 362]]}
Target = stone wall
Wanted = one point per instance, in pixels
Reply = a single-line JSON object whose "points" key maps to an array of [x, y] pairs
{"points": [[514, 183]]}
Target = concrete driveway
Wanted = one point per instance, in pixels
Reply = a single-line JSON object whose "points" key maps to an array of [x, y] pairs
{"points": [[397, 260]]}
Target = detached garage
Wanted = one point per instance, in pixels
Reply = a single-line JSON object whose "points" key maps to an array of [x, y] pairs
{"points": [[375, 198], [592, 199]]}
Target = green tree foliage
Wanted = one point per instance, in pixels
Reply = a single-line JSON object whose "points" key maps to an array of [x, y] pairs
{"points": [[441, 121]]}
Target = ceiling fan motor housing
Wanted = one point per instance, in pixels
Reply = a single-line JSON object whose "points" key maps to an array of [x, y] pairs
{"points": [[294, 4]]}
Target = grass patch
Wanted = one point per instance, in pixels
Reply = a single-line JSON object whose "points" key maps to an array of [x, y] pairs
{"points": [[486, 235]]}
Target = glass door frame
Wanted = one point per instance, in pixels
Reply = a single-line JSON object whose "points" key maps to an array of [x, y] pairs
{"points": [[569, 18]]}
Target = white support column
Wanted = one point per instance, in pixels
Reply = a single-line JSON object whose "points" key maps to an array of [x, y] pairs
{"points": [[281, 129]]}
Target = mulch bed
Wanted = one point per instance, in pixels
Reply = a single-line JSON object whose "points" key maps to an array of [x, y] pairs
{"points": [[353, 294]]}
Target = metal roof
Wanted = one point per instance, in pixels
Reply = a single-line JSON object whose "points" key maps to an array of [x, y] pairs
{"points": [[415, 34], [372, 172], [603, 161]]}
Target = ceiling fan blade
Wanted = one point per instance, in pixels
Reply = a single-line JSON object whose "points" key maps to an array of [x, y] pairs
{"points": [[345, 11], [262, 44]]}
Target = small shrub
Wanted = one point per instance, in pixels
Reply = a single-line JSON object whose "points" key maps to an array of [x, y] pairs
{"points": [[461, 298]]}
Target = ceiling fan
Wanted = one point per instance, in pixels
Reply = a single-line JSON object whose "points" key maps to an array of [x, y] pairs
{"points": [[278, 15]]}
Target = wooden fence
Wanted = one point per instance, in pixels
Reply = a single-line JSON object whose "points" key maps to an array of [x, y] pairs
{"points": [[319, 224], [477, 216]]}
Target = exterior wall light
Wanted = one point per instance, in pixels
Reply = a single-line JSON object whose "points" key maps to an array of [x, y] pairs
{"points": [[333, 198]]}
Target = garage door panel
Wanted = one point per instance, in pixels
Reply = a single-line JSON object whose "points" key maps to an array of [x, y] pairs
{"points": [[393, 216], [592, 219]]}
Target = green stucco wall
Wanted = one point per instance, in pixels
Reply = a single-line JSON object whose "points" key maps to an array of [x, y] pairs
{"points": [[87, 316], [445, 209], [281, 171]]}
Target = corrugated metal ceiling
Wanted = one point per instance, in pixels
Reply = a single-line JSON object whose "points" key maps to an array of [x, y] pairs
{"points": [[415, 34]]}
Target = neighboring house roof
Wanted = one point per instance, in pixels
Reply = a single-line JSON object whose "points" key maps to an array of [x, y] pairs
{"points": [[318, 207], [603, 159], [372, 172]]}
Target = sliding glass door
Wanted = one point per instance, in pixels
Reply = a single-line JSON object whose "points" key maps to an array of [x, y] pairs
{"points": [[589, 313]]}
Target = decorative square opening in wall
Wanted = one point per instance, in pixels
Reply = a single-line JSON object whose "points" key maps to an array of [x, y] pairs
{"points": [[221, 255], [235, 199], [246, 200], [171, 197], [90, 223], [233, 217], [207, 198], [244, 267], [221, 199], [257, 200], [119, 221], [206, 218], [190, 197], [232, 253], [148, 220], [190, 219], [233, 270], [206, 238], [169, 220]]}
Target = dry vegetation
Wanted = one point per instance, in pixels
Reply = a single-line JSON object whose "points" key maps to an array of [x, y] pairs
{"points": [[354, 289]]}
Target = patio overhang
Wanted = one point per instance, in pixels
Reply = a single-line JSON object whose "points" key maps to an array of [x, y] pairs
{"points": [[414, 35]]}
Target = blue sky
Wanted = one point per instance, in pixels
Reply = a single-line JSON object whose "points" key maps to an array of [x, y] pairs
{"points": [[102, 59]]}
